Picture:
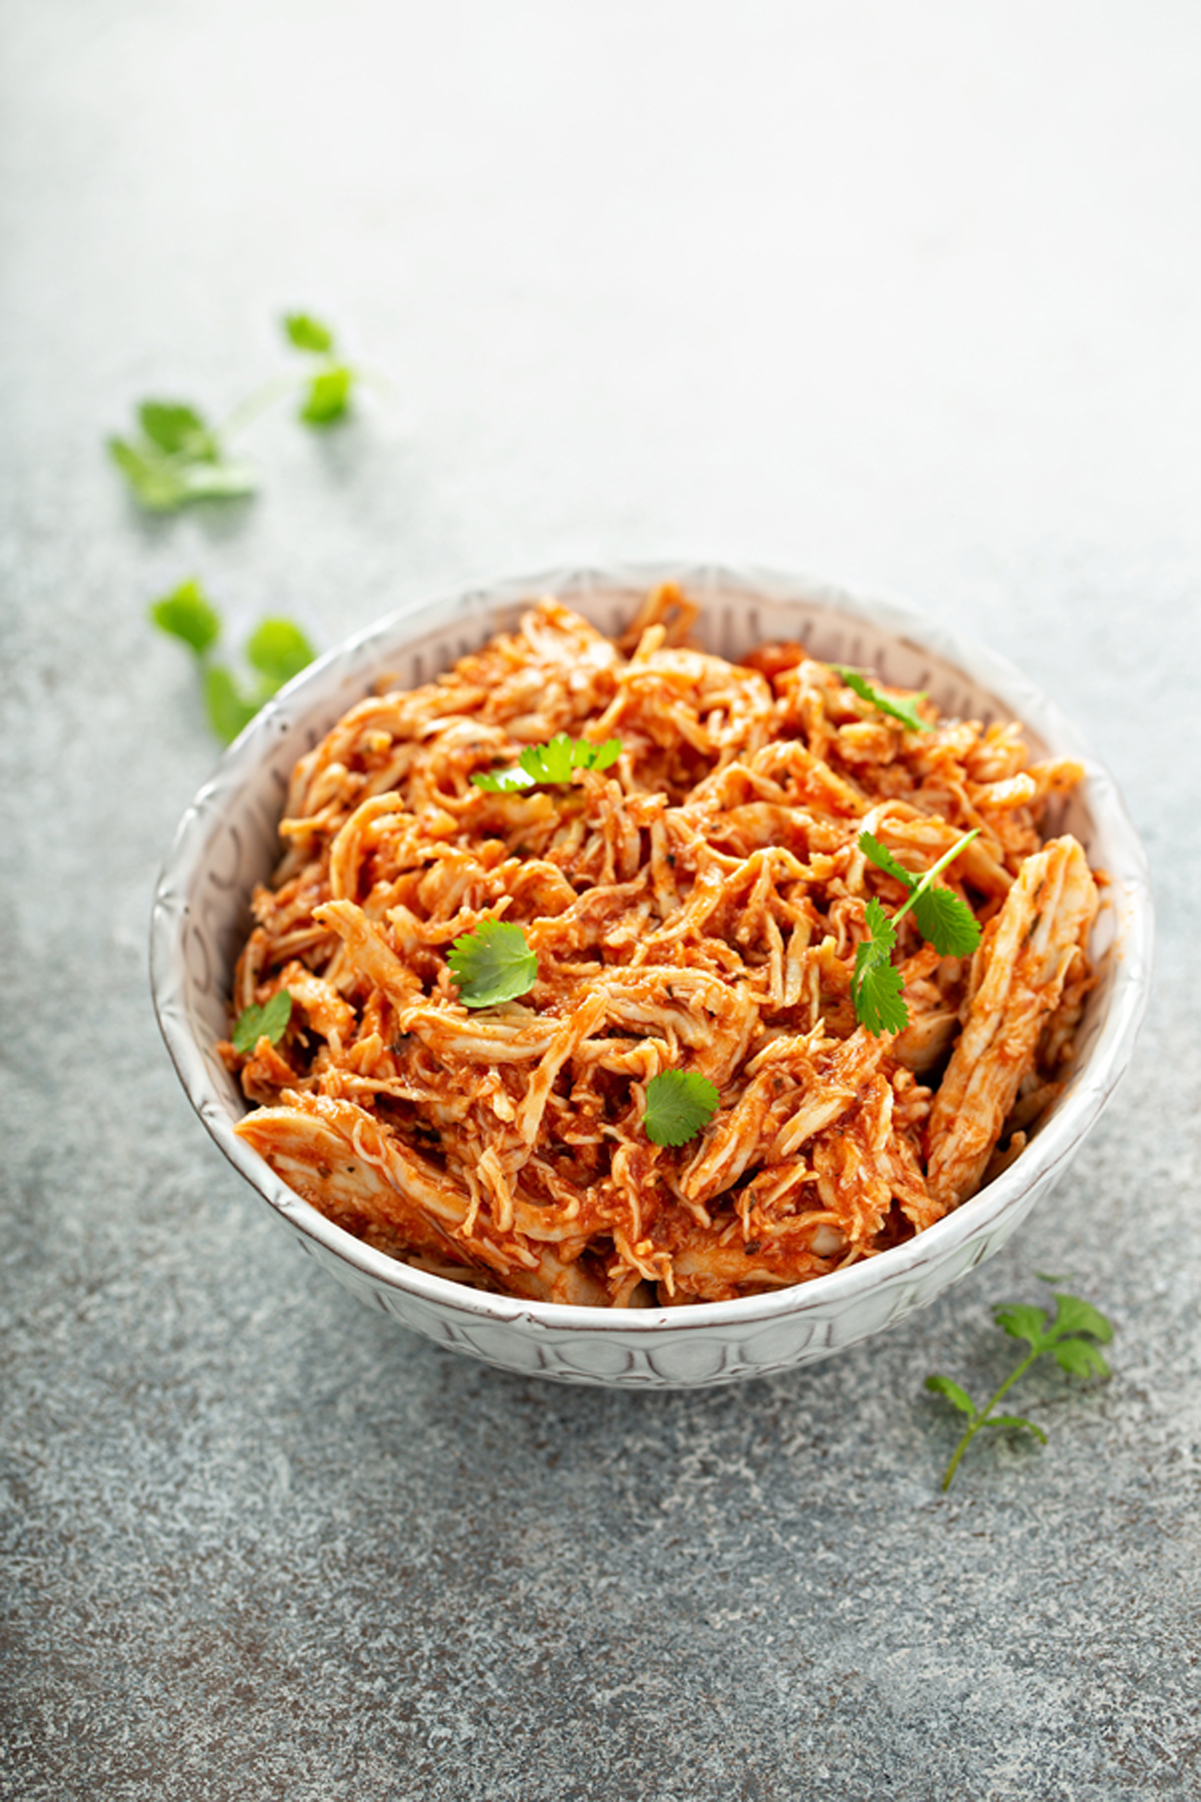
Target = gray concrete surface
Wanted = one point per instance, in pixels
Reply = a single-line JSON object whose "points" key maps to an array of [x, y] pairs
{"points": [[906, 296]]}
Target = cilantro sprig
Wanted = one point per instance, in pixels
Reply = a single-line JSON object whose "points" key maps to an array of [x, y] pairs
{"points": [[552, 762], [678, 1104], [176, 455], [270, 1020], [276, 651], [1071, 1338], [492, 964], [905, 711], [943, 920]]}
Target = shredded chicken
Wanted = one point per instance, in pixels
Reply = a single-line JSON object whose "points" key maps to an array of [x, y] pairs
{"points": [[695, 906]]}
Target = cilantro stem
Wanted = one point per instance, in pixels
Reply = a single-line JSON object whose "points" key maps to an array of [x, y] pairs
{"points": [[261, 401], [937, 869], [981, 1419]]}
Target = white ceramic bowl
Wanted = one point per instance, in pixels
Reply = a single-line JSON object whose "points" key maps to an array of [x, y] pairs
{"points": [[227, 841]]}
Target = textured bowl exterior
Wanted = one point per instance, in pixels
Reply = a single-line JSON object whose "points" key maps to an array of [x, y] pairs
{"points": [[227, 842]]}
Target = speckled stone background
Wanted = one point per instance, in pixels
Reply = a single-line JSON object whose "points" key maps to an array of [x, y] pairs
{"points": [[907, 296]]}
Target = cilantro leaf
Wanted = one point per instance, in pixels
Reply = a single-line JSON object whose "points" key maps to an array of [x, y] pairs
{"points": [[552, 762], [279, 650], [1023, 1322], [905, 711], [328, 396], [958, 1397], [884, 860], [228, 707], [307, 333], [492, 964], [1075, 1316], [678, 1104], [172, 427], [1059, 1338], [876, 986], [502, 782], [187, 614], [1079, 1358], [946, 922], [555, 760], [1012, 1421], [270, 1021], [877, 991]]}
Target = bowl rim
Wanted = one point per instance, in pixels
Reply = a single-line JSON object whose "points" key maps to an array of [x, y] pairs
{"points": [[1053, 1145]]}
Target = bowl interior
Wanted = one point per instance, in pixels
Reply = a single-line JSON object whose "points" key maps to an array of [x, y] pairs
{"points": [[228, 840]]}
